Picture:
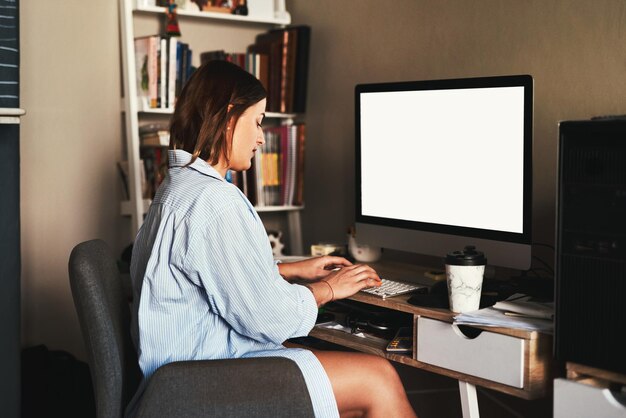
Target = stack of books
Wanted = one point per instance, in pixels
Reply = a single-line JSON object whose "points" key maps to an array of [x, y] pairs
{"points": [[162, 66], [276, 177], [279, 59]]}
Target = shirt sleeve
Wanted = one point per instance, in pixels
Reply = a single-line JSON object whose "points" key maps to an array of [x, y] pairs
{"points": [[233, 261]]}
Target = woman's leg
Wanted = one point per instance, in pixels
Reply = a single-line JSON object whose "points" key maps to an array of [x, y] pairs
{"points": [[365, 385]]}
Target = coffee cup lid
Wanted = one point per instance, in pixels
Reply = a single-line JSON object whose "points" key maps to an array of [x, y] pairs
{"points": [[468, 257]]}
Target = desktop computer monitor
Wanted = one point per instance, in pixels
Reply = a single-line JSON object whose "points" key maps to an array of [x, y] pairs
{"points": [[441, 164]]}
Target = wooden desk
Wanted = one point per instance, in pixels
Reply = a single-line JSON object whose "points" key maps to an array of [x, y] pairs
{"points": [[512, 361]]}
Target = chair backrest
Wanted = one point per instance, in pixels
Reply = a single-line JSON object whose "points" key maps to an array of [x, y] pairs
{"points": [[103, 312]]}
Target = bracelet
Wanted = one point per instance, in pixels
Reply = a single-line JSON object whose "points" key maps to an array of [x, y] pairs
{"points": [[332, 292]]}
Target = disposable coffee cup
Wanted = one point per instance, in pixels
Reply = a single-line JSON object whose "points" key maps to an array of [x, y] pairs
{"points": [[464, 273]]}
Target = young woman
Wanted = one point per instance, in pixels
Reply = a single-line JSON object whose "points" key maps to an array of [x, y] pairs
{"points": [[204, 280]]}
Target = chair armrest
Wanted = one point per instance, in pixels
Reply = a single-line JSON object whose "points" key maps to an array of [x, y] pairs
{"points": [[250, 387]]}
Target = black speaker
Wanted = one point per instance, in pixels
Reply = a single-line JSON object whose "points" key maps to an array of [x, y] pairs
{"points": [[590, 291]]}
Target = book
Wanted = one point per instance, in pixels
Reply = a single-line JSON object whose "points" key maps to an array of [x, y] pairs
{"points": [[287, 69], [162, 95], [301, 139], [292, 173], [155, 164], [179, 67], [270, 45], [156, 139], [146, 57], [262, 69], [184, 67], [286, 52], [172, 49], [302, 68], [207, 56]]}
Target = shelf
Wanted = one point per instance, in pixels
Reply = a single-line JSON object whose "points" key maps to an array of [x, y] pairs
{"points": [[170, 110], [361, 344], [10, 115], [126, 210], [264, 13], [218, 16], [275, 115], [278, 208], [158, 110]]}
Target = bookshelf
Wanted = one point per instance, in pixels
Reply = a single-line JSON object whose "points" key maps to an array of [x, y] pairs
{"points": [[272, 14]]}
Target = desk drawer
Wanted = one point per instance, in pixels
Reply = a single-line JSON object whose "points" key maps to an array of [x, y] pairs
{"points": [[573, 399], [491, 356]]}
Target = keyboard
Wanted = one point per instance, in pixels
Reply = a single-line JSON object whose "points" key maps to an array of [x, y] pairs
{"points": [[390, 288]]}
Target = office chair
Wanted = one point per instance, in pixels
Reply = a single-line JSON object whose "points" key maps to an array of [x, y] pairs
{"points": [[254, 387]]}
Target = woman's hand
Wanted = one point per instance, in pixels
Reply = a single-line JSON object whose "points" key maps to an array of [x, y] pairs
{"points": [[344, 283], [313, 268]]}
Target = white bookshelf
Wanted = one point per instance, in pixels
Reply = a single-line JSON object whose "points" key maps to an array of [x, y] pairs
{"points": [[136, 206]]}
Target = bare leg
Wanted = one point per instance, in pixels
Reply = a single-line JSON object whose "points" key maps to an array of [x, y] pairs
{"points": [[365, 385]]}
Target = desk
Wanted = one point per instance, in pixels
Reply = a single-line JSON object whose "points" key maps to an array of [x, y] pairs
{"points": [[516, 362]]}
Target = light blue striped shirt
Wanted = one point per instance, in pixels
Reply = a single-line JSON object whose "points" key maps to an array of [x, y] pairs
{"points": [[205, 284]]}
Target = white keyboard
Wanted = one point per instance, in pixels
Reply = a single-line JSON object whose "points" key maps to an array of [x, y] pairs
{"points": [[390, 288]]}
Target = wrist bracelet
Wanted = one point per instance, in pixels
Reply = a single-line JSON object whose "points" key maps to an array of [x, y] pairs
{"points": [[332, 292]]}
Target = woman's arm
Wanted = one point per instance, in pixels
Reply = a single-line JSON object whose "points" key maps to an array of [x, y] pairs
{"points": [[330, 278], [311, 269]]}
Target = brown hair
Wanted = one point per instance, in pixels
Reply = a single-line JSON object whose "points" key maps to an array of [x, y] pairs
{"points": [[202, 112]]}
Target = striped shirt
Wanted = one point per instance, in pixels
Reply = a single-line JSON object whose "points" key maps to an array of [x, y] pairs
{"points": [[205, 284]]}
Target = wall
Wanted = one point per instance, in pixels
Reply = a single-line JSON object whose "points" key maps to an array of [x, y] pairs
{"points": [[573, 48], [70, 140], [70, 88]]}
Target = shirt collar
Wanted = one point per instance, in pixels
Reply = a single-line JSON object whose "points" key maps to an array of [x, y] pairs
{"points": [[180, 158]]}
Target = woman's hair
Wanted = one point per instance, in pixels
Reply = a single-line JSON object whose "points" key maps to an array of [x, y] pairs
{"points": [[202, 112]]}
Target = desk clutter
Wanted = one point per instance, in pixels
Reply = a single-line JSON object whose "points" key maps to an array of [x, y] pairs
{"points": [[521, 304], [493, 291], [378, 325]]}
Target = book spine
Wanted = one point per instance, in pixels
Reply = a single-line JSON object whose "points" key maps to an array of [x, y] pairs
{"points": [[153, 70], [171, 72], [163, 73], [142, 48], [301, 139]]}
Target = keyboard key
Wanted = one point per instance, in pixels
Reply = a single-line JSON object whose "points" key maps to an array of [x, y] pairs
{"points": [[391, 288]]}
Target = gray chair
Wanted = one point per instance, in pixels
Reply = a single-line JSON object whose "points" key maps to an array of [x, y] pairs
{"points": [[261, 387]]}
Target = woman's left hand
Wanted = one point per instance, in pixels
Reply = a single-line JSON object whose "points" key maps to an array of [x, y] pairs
{"points": [[312, 268]]}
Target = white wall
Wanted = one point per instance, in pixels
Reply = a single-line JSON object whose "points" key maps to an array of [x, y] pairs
{"points": [[70, 140]]}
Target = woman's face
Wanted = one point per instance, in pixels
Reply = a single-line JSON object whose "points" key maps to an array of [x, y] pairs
{"points": [[247, 137]]}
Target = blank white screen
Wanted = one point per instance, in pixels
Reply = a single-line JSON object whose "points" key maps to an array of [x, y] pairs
{"points": [[449, 157]]}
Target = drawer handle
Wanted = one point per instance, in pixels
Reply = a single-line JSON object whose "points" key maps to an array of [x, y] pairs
{"points": [[466, 331], [615, 398]]}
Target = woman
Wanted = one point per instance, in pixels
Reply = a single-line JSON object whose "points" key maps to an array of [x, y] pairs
{"points": [[203, 270]]}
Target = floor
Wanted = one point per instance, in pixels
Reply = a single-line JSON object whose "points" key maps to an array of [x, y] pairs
{"points": [[435, 396]]}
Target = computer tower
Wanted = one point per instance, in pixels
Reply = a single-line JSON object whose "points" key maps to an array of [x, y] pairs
{"points": [[590, 291]]}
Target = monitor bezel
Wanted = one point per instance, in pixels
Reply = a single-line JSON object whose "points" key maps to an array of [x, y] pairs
{"points": [[525, 81]]}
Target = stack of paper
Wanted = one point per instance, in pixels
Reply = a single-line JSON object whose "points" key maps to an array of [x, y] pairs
{"points": [[526, 307], [518, 311]]}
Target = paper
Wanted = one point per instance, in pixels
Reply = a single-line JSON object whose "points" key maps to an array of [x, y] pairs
{"points": [[525, 306], [491, 317]]}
